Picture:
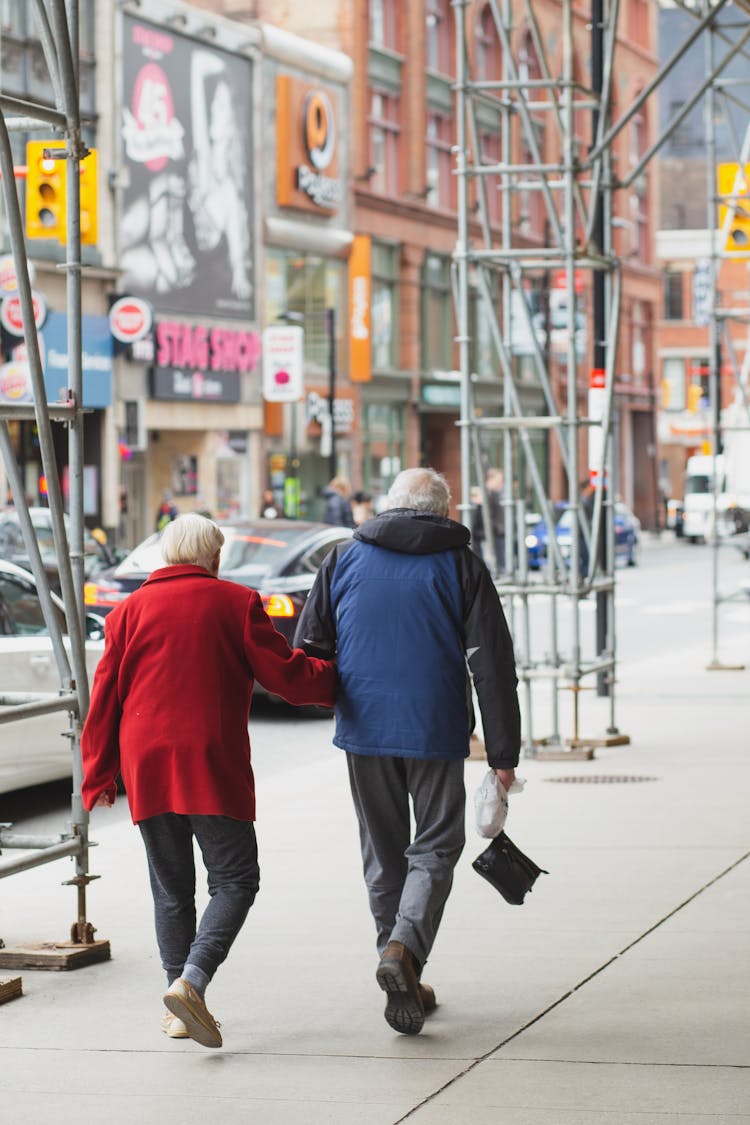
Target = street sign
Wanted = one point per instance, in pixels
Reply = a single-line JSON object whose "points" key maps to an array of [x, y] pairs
{"points": [[283, 379]]}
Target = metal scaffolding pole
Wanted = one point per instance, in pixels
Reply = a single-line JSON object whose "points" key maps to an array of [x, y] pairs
{"points": [[503, 264], [57, 23]]}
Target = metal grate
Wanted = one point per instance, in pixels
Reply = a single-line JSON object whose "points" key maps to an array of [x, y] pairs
{"points": [[600, 778]]}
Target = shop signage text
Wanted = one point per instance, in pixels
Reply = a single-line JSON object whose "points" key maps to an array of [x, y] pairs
{"points": [[307, 163], [206, 349]]}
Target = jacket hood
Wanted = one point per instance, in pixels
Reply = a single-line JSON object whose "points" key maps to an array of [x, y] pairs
{"points": [[413, 532]]}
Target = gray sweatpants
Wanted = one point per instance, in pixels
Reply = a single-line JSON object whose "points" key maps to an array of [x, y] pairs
{"points": [[230, 854], [408, 880]]}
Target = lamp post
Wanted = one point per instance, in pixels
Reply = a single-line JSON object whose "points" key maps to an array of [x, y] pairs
{"points": [[331, 332]]}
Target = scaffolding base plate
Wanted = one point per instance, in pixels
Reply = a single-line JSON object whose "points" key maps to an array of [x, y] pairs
{"points": [[611, 740], [10, 989], [571, 750], [717, 666], [54, 955]]}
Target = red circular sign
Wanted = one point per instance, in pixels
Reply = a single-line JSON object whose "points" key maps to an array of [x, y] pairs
{"points": [[12, 318], [130, 319]]}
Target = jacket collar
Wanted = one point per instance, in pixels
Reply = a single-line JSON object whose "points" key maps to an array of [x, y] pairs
{"points": [[182, 570]]}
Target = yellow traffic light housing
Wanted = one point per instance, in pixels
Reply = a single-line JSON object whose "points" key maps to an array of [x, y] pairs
{"points": [[733, 189], [89, 198], [46, 209], [46, 187]]}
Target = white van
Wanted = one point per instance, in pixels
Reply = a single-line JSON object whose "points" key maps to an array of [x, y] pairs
{"points": [[698, 514]]}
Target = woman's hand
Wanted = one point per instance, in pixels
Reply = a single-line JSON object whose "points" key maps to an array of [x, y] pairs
{"points": [[103, 801]]}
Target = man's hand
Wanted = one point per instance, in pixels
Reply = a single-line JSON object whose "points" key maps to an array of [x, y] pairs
{"points": [[506, 778], [103, 801]]}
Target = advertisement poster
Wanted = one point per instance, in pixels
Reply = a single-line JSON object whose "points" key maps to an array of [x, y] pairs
{"points": [[186, 229]]}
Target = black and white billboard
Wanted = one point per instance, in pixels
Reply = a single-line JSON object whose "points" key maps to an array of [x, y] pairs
{"points": [[186, 229]]}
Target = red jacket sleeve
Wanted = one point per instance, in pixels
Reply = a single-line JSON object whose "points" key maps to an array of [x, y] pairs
{"points": [[100, 744], [282, 670]]}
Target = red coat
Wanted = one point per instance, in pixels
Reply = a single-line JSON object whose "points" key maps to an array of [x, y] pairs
{"points": [[171, 695]]}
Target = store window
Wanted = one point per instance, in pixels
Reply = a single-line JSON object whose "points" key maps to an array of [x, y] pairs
{"points": [[301, 288], [384, 313], [384, 444], [439, 187], [439, 36], [385, 135], [437, 315]]}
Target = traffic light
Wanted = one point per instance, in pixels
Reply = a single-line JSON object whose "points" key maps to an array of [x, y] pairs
{"points": [[46, 207], [733, 187], [89, 198], [45, 192]]}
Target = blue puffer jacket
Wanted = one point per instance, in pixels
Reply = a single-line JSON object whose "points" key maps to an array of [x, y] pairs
{"points": [[403, 605]]}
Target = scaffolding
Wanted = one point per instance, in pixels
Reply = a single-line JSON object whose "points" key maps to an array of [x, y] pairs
{"points": [[57, 24], [500, 264]]}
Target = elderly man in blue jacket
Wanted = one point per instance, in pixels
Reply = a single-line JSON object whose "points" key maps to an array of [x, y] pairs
{"points": [[408, 610]]}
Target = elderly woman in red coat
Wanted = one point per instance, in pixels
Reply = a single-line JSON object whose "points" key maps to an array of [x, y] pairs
{"points": [[169, 711]]}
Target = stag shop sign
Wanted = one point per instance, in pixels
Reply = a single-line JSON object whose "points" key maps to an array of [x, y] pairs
{"points": [[198, 363], [307, 146]]}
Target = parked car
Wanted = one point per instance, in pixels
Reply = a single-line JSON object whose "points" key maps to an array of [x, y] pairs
{"points": [[278, 558], [13, 548], [34, 750], [627, 537]]}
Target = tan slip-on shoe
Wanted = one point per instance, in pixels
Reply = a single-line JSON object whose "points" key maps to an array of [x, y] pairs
{"points": [[184, 1002], [173, 1027], [396, 975]]}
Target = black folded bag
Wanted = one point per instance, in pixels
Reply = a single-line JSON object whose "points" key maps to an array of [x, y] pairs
{"points": [[511, 872]]}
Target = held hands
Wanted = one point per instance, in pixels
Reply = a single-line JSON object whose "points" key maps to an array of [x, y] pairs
{"points": [[103, 801]]}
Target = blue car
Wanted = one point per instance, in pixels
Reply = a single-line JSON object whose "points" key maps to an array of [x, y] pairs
{"points": [[627, 537]]}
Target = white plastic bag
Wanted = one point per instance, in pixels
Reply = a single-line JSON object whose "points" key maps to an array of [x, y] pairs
{"points": [[491, 804]]}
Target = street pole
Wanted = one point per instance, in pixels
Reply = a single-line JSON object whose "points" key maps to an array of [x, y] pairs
{"points": [[331, 329]]}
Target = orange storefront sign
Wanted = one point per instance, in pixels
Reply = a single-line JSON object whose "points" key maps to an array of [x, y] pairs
{"points": [[307, 154], [360, 318]]}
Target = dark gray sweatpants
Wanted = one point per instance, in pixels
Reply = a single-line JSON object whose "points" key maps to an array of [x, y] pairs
{"points": [[408, 880], [230, 854]]}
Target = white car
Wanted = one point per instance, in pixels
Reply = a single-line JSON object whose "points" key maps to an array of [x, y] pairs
{"points": [[34, 750]]}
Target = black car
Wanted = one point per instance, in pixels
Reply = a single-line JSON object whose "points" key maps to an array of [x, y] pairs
{"points": [[13, 548], [278, 558]]}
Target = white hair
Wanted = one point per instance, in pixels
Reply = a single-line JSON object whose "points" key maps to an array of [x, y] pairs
{"points": [[191, 539], [422, 489]]}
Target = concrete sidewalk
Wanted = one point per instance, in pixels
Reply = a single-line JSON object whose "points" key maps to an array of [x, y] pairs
{"points": [[618, 994]]}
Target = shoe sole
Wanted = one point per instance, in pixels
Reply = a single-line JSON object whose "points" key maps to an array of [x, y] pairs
{"points": [[208, 1035], [403, 1010]]}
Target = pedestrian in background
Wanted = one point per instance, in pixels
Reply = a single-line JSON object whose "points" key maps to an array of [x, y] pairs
{"points": [[338, 510], [494, 485], [169, 711], [402, 607], [167, 511], [268, 507], [362, 508]]}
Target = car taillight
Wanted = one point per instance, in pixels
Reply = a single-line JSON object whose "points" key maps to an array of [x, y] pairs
{"points": [[278, 605], [93, 594]]}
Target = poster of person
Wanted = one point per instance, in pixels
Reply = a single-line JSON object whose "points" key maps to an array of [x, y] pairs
{"points": [[186, 227]]}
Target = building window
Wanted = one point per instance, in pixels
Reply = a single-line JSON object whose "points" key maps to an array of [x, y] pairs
{"points": [[673, 383], [637, 22], [305, 286], [385, 132], [439, 36], [437, 315], [384, 444], [489, 153], [489, 61], [439, 185], [384, 315], [674, 306], [384, 24]]}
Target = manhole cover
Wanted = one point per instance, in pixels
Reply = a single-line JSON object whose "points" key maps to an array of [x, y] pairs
{"points": [[600, 778]]}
